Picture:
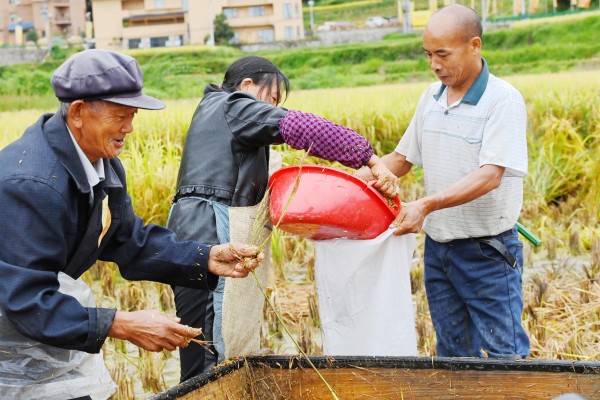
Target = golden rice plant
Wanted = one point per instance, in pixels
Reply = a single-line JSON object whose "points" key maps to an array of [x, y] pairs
{"points": [[152, 156], [561, 206], [125, 388], [563, 315], [133, 296], [151, 370]]}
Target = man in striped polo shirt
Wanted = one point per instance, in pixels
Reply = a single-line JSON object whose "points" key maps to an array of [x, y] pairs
{"points": [[468, 134]]}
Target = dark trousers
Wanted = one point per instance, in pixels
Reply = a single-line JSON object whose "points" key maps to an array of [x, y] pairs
{"points": [[193, 219], [475, 296], [195, 308]]}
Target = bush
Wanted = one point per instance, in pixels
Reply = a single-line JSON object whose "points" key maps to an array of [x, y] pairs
{"points": [[175, 73]]}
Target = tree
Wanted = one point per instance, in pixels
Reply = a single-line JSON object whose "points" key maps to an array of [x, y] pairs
{"points": [[88, 8], [31, 36], [222, 30]]}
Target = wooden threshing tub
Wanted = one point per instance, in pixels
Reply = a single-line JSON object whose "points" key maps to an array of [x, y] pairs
{"points": [[291, 377]]}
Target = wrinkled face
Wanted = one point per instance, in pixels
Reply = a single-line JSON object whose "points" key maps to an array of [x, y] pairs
{"points": [[104, 126], [452, 58]]}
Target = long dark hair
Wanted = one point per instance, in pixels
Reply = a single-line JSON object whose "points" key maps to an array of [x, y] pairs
{"points": [[262, 72]]}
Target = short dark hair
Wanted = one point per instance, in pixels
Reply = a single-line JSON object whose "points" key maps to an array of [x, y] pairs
{"points": [[262, 72]]}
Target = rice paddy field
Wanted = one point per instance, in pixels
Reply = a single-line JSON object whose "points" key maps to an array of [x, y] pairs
{"points": [[561, 206]]}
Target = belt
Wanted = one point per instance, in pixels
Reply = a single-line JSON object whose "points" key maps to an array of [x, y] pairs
{"points": [[502, 249]]}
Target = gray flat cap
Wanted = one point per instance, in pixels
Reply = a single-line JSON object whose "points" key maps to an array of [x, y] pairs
{"points": [[102, 75]]}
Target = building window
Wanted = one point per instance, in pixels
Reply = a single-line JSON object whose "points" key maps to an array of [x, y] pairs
{"points": [[257, 11], [287, 11], [159, 41], [185, 5], [14, 2], [174, 41], [159, 3], [230, 13], [297, 7], [14, 18], [289, 33], [235, 38], [134, 44], [266, 35]]}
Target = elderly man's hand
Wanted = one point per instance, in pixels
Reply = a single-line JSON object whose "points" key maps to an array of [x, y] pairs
{"points": [[152, 330], [234, 260]]}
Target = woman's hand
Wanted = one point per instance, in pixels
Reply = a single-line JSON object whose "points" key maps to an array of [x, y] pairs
{"points": [[387, 183]]}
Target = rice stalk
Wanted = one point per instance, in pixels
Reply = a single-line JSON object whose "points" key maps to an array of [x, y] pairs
{"points": [[150, 370], [166, 300], [313, 308], [133, 296], [278, 253], [262, 289], [566, 101], [119, 374], [300, 349]]}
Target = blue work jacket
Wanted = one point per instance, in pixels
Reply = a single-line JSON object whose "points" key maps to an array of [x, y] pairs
{"points": [[48, 225]]}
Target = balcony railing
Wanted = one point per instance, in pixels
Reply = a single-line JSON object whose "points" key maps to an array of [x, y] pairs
{"points": [[240, 22], [249, 3], [62, 19]]}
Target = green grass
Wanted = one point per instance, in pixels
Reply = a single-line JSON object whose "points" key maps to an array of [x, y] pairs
{"points": [[354, 12], [180, 73]]}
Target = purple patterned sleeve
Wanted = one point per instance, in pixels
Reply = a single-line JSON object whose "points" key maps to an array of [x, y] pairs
{"points": [[325, 139]]}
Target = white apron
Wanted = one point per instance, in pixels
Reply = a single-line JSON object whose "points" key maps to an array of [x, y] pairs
{"points": [[32, 370]]}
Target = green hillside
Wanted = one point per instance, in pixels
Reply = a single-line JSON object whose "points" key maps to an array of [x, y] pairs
{"points": [[183, 72], [357, 11]]}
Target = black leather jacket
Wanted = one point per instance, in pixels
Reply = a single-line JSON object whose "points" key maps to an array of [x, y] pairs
{"points": [[226, 152]]}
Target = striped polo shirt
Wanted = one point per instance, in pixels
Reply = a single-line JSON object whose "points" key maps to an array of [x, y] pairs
{"points": [[487, 126]]}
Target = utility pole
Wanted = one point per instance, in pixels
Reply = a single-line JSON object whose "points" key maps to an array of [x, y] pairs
{"points": [[483, 12], [407, 16], [311, 3], [45, 13], [211, 14]]}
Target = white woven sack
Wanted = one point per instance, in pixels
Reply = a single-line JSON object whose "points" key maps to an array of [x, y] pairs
{"points": [[364, 293], [243, 301]]}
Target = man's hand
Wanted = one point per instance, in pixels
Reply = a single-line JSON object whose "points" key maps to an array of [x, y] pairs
{"points": [[476, 184], [234, 260], [152, 330], [410, 218]]}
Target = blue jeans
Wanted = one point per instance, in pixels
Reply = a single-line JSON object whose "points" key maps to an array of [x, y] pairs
{"points": [[475, 297], [218, 341]]}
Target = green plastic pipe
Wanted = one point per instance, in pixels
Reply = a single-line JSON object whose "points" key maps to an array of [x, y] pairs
{"points": [[529, 235]]}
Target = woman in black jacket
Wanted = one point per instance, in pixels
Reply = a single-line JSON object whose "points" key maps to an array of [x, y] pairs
{"points": [[224, 167]]}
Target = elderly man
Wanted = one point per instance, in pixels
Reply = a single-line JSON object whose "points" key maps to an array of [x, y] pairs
{"points": [[64, 205], [468, 134]]}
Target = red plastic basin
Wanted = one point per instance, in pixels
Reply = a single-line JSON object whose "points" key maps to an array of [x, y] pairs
{"points": [[328, 203]]}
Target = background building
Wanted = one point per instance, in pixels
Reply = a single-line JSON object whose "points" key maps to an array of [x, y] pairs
{"points": [[64, 18], [122, 24]]}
